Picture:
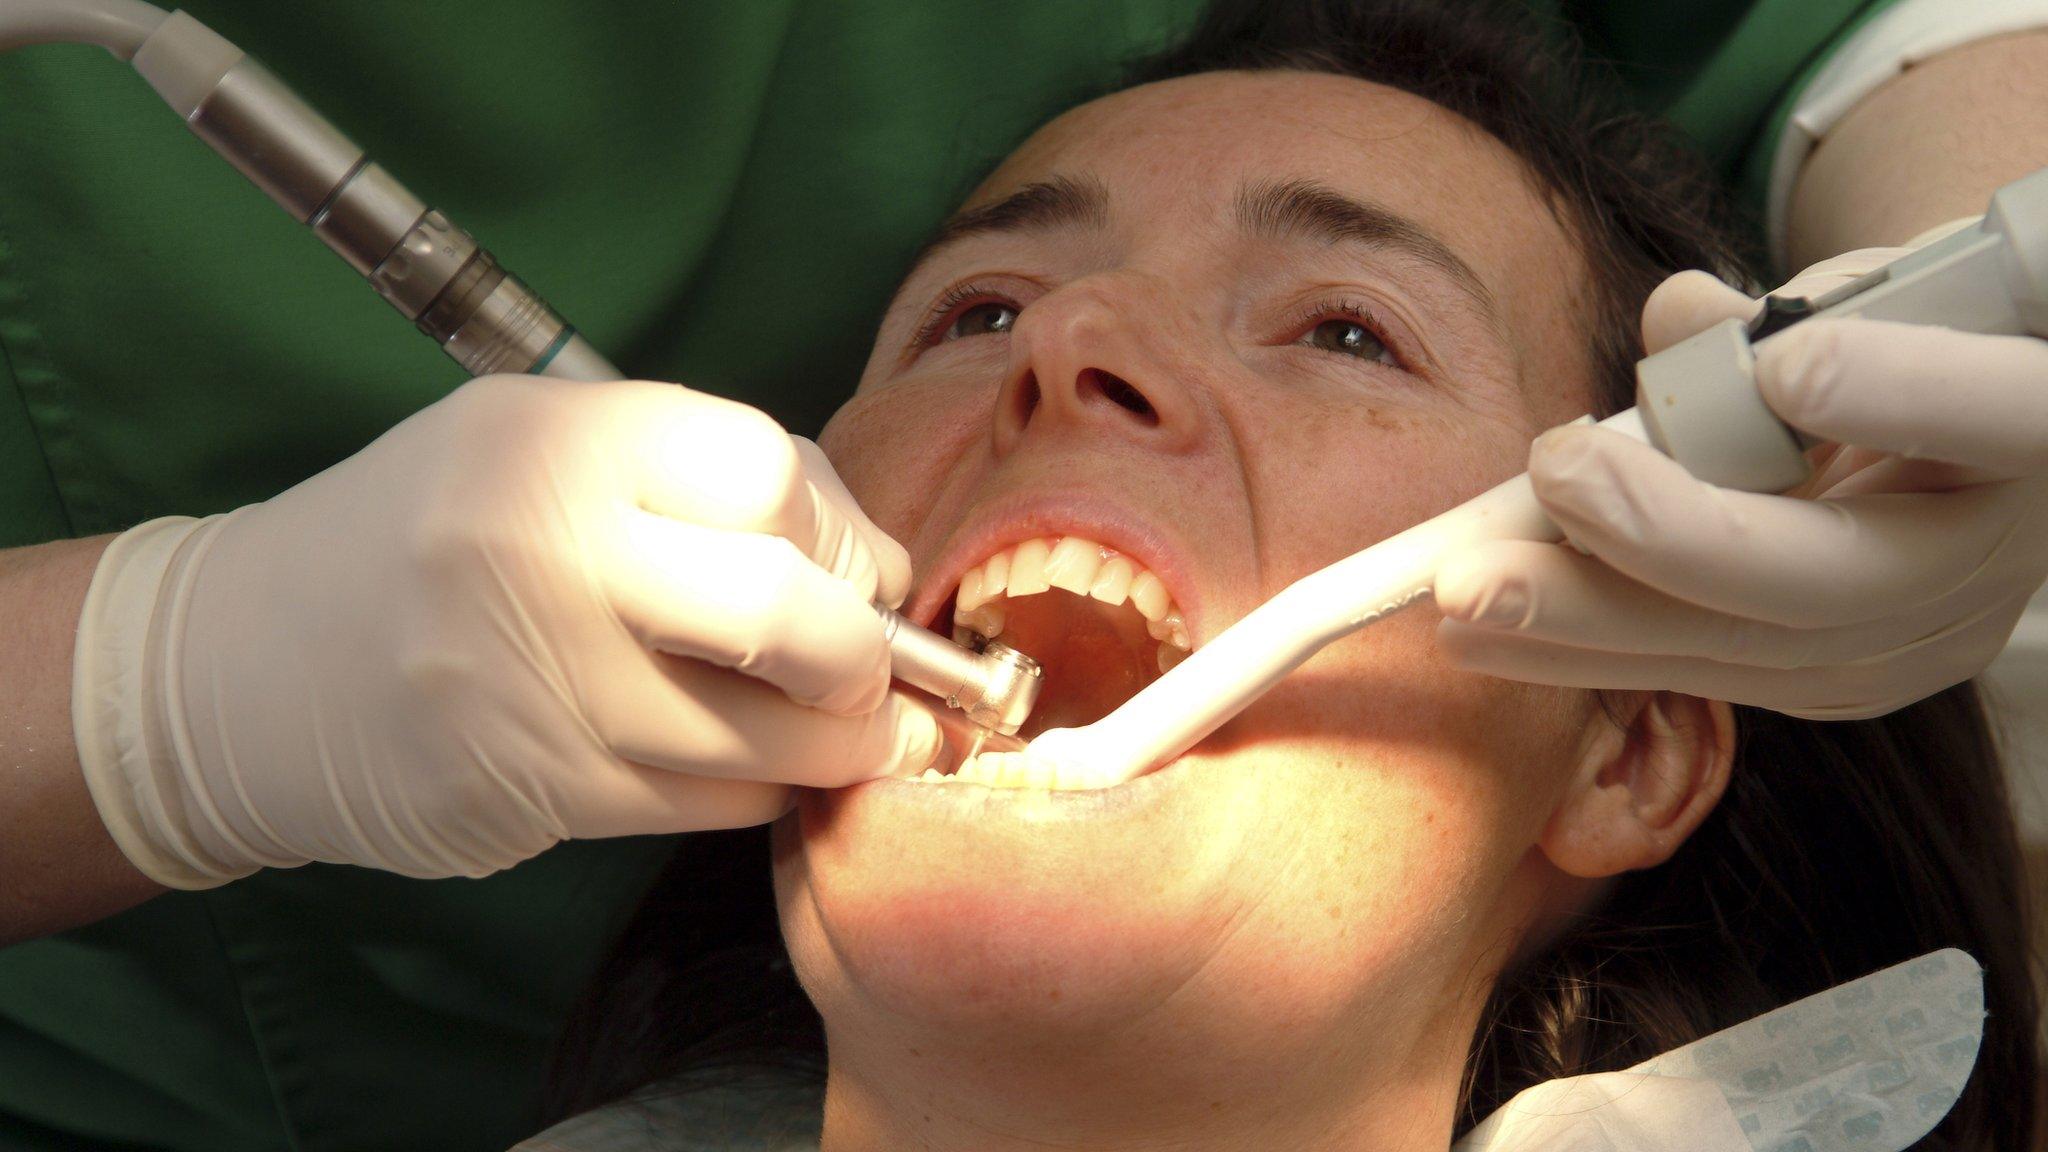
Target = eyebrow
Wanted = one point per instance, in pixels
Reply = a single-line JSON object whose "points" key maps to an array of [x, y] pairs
{"points": [[1061, 202], [1305, 210], [1278, 210]]}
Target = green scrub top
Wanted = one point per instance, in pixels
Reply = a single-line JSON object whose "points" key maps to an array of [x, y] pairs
{"points": [[717, 194]]}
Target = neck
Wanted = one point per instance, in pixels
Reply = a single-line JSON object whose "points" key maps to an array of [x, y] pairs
{"points": [[940, 1094]]}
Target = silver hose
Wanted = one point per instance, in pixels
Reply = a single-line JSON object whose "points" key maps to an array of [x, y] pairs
{"points": [[434, 273]]}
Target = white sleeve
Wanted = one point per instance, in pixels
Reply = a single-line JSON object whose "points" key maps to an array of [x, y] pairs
{"points": [[1903, 35]]}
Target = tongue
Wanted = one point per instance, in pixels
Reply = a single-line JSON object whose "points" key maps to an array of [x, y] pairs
{"points": [[1096, 655]]}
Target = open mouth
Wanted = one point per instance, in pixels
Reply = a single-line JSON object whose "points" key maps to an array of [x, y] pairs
{"points": [[1102, 625]]}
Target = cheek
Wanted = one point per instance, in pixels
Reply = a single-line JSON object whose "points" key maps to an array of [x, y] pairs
{"points": [[1434, 787], [1335, 466], [894, 445], [1438, 782], [1400, 804], [1405, 841], [1383, 703]]}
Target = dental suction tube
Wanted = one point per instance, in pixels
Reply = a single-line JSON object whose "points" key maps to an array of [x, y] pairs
{"points": [[1696, 402]]}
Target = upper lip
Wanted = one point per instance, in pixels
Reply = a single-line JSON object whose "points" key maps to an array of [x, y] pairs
{"points": [[999, 524]]}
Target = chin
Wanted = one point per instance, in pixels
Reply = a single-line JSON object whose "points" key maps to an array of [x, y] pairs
{"points": [[1324, 859], [1008, 908], [1190, 906]]}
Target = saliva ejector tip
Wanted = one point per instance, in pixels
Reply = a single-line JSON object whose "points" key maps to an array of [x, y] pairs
{"points": [[976, 755]]}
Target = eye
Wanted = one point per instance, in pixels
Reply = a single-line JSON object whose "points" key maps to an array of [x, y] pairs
{"points": [[1348, 337], [990, 318], [966, 310], [1348, 326]]}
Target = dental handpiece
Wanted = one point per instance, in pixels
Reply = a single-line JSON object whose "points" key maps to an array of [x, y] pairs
{"points": [[434, 273], [996, 687], [1696, 401]]}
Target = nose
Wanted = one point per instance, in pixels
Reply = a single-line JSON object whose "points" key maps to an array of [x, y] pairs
{"points": [[1101, 358]]}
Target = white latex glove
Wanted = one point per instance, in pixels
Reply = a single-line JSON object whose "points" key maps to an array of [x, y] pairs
{"points": [[536, 610], [1898, 570]]}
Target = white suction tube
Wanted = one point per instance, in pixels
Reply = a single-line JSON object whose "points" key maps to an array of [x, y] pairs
{"points": [[1217, 681], [1697, 402]]}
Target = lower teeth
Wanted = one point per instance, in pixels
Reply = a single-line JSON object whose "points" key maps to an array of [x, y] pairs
{"points": [[1009, 770]]}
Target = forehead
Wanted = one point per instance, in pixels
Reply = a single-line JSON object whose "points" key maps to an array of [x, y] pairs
{"points": [[1177, 152]]}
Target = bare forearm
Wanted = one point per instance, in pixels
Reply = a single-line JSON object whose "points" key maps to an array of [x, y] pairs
{"points": [[1929, 146], [58, 866]]}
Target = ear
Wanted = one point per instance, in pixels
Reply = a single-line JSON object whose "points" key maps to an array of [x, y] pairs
{"points": [[1651, 766]]}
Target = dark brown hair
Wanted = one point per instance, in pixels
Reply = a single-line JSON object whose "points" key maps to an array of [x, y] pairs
{"points": [[1839, 848]]}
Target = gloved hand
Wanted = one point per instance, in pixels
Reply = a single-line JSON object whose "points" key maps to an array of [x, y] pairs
{"points": [[1899, 569], [535, 610]]}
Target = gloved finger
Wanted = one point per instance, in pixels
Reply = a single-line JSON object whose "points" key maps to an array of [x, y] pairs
{"points": [[1689, 303], [1539, 591], [1797, 693], [644, 801], [721, 464], [1853, 471], [708, 721], [1915, 389], [1841, 692], [751, 603], [1799, 563], [847, 535]]}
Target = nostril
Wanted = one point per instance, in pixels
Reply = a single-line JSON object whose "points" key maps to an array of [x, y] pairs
{"points": [[1118, 392], [1026, 399]]}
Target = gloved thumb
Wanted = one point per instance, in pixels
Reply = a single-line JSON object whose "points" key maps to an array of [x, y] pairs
{"points": [[1687, 304]]}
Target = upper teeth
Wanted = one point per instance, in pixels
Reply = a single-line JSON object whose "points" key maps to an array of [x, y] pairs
{"points": [[1073, 564]]}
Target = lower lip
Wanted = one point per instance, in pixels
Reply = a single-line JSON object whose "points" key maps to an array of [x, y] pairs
{"points": [[1035, 805]]}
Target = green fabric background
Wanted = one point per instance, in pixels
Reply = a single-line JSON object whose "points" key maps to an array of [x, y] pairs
{"points": [[720, 194]]}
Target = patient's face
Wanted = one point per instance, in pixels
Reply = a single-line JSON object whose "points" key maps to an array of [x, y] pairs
{"points": [[1190, 346]]}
